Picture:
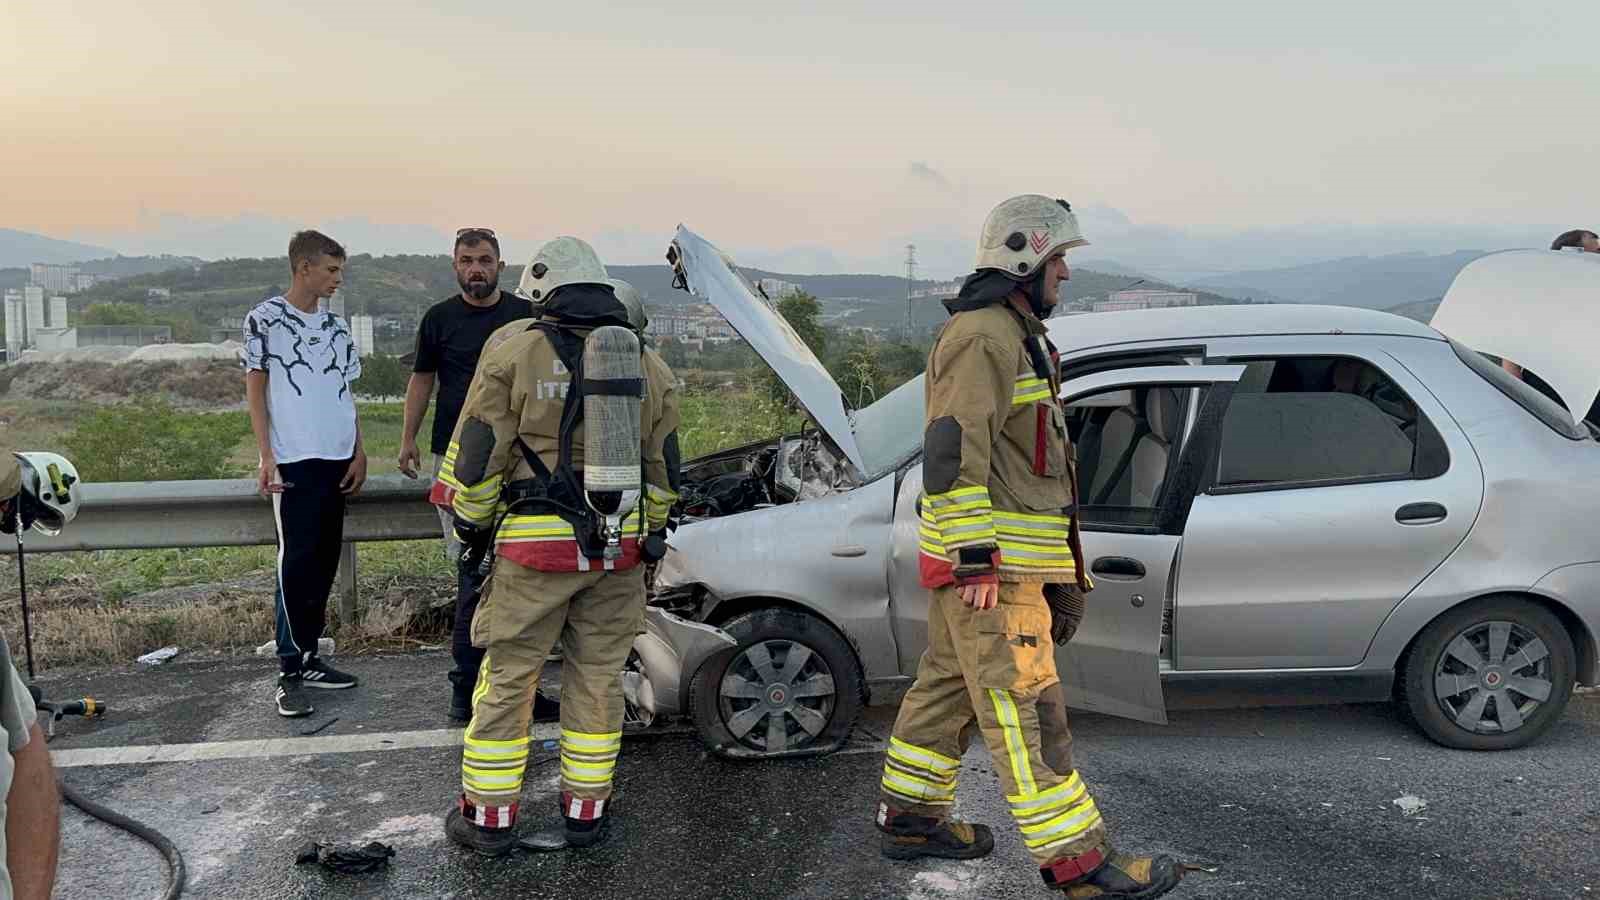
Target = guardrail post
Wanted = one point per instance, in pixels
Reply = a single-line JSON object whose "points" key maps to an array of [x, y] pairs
{"points": [[346, 582]]}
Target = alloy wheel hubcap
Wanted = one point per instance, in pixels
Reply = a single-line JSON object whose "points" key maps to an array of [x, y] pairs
{"points": [[776, 695], [1492, 676]]}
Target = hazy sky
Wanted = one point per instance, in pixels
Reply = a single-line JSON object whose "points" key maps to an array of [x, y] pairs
{"points": [[834, 128]]}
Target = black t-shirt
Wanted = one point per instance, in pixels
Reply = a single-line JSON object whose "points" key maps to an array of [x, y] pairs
{"points": [[449, 341]]}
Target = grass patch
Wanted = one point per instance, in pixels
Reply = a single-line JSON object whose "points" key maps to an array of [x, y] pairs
{"points": [[107, 607]]}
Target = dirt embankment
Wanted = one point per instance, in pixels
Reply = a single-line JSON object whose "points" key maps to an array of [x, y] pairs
{"points": [[193, 383]]}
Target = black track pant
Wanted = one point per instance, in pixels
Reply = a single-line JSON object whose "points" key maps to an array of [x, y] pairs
{"points": [[467, 658], [310, 518]]}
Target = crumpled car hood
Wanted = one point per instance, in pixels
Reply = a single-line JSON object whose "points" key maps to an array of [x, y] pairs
{"points": [[708, 273]]}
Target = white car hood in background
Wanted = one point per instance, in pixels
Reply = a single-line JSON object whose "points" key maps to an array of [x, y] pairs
{"points": [[710, 276], [1537, 308]]}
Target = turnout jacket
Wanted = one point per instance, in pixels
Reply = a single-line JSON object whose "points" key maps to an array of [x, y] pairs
{"points": [[519, 391], [999, 474]]}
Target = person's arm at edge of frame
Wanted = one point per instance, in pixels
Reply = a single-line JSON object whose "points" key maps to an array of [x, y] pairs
{"points": [[33, 815]]}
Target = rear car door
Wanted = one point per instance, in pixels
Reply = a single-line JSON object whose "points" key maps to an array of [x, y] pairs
{"points": [[1112, 663], [1341, 482]]}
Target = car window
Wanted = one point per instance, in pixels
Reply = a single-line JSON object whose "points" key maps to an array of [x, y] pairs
{"points": [[1319, 420], [1127, 442], [1526, 396]]}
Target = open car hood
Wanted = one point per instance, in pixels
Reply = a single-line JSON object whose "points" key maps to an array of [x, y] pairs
{"points": [[708, 273], [1538, 308]]}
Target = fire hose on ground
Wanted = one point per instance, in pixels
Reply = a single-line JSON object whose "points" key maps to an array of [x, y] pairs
{"points": [[90, 708]]}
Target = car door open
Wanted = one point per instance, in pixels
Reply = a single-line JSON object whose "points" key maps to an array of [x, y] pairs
{"points": [[1143, 436]]}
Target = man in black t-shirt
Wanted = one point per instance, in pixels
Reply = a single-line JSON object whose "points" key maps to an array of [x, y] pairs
{"points": [[449, 341]]}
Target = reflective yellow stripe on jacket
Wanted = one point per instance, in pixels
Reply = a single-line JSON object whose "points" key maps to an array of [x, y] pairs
{"points": [[473, 502], [957, 518], [525, 528], [657, 503], [1030, 543], [1030, 389]]}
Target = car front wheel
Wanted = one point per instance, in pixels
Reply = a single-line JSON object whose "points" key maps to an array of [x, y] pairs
{"points": [[1493, 674], [792, 684]]}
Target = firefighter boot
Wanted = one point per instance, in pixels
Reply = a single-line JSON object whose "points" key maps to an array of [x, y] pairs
{"points": [[487, 841], [588, 821], [1104, 874], [906, 836]]}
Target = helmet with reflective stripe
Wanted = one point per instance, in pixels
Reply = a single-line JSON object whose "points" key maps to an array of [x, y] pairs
{"points": [[1025, 231], [52, 483], [561, 262]]}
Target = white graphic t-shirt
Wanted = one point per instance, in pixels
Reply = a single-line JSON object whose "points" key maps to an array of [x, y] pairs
{"points": [[310, 361]]}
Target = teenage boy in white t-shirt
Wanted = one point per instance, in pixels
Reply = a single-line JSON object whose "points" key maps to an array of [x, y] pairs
{"points": [[300, 363]]}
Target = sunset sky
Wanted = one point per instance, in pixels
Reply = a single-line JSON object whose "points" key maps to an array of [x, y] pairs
{"points": [[847, 127]]}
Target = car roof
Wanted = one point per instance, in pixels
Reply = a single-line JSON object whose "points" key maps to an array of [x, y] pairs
{"points": [[1246, 320]]}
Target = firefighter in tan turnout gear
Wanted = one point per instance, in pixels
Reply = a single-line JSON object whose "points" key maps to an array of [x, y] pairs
{"points": [[999, 550], [565, 512]]}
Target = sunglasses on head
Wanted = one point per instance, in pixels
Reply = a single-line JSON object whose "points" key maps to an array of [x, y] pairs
{"points": [[462, 232]]}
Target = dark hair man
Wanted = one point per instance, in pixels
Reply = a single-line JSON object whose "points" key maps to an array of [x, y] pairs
{"points": [[1578, 239], [450, 339], [300, 362]]}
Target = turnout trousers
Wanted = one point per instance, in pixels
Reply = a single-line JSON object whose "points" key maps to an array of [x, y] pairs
{"points": [[992, 671], [596, 615]]}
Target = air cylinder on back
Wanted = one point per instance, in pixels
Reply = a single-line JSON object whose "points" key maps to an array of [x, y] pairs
{"points": [[612, 389]]}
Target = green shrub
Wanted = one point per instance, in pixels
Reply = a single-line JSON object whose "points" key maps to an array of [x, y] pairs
{"points": [[151, 441]]}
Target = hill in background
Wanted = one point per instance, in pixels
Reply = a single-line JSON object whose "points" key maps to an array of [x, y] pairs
{"points": [[398, 289], [1371, 282], [21, 248]]}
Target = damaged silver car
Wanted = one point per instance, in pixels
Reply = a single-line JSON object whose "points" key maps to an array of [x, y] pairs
{"points": [[1301, 502]]}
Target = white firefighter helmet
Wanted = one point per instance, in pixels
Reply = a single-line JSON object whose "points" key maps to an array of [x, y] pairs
{"points": [[563, 261], [629, 295], [1023, 232], [52, 482]]}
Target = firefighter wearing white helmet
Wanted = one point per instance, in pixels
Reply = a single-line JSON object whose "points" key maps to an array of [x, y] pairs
{"points": [[37, 490], [557, 406], [1000, 552]]}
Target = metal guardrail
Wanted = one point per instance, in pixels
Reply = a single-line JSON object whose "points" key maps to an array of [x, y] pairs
{"points": [[144, 515]]}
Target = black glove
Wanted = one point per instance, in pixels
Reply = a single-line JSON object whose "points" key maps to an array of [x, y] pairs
{"points": [[1066, 604], [349, 859], [654, 546], [475, 542]]}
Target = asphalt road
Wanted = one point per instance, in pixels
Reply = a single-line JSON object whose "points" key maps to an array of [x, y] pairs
{"points": [[1283, 803]]}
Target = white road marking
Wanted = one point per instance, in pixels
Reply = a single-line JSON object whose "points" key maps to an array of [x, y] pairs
{"points": [[319, 745]]}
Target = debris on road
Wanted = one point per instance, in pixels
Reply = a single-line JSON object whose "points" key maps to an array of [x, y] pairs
{"points": [[347, 858], [157, 657], [1411, 805]]}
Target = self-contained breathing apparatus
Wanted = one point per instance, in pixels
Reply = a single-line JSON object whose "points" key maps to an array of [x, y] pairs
{"points": [[603, 397]]}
